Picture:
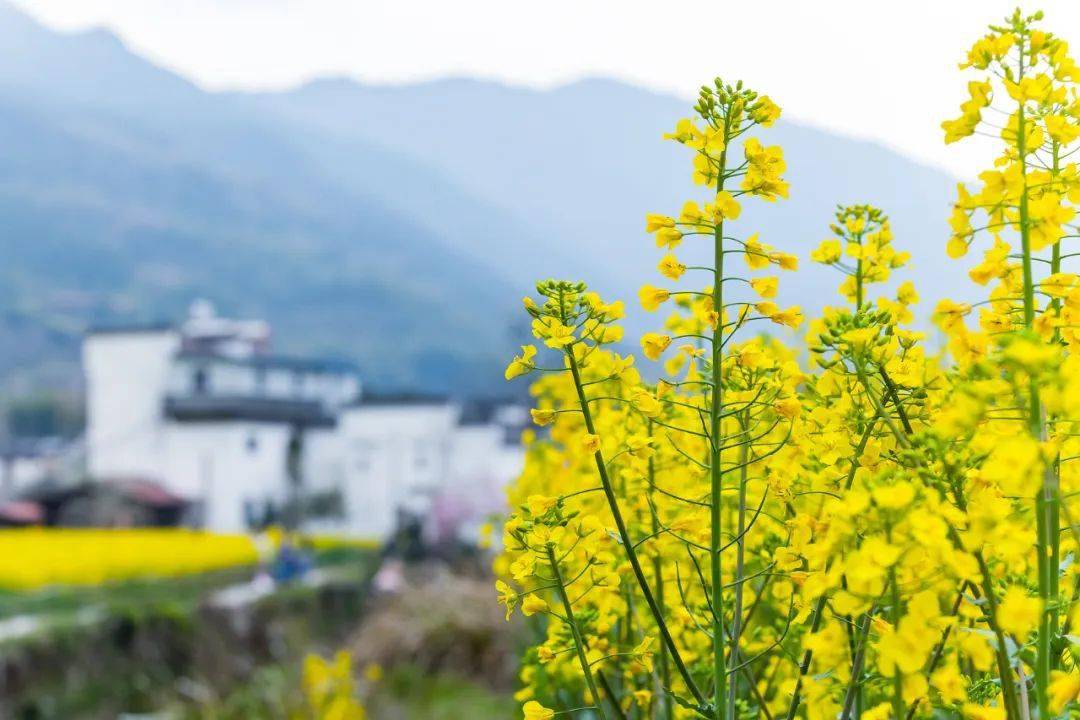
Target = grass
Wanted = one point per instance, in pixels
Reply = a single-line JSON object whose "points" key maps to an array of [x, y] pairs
{"points": [[151, 647], [144, 592], [151, 592], [408, 693]]}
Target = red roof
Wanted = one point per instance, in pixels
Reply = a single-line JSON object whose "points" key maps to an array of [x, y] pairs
{"points": [[151, 493], [22, 512]]}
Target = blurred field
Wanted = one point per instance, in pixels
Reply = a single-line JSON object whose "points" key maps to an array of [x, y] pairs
{"points": [[35, 558], [185, 625]]}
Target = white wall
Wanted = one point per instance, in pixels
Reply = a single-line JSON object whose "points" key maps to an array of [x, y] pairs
{"points": [[224, 465], [324, 471], [395, 456], [482, 464], [126, 379]]}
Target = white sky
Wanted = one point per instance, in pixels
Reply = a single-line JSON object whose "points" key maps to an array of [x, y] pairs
{"points": [[870, 68]]}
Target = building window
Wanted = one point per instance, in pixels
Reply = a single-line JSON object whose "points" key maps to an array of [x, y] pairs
{"points": [[200, 381]]}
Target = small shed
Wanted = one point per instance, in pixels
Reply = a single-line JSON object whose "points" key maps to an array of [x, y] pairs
{"points": [[108, 503]]}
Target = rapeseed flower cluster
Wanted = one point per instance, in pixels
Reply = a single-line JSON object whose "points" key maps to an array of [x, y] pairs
{"points": [[864, 529], [329, 689]]}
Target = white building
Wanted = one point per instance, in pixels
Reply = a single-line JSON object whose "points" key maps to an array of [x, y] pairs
{"points": [[204, 409], [26, 462]]}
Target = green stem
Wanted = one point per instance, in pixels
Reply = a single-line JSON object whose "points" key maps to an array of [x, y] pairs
{"points": [[939, 649], [893, 395], [658, 580], [857, 665], [579, 643], [859, 277], [624, 536], [1043, 499], [990, 614], [1052, 494], [894, 616], [740, 566], [619, 714], [1008, 685], [819, 607], [715, 472]]}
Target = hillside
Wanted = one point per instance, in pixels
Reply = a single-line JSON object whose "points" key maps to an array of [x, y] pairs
{"points": [[394, 225], [586, 161], [120, 209]]}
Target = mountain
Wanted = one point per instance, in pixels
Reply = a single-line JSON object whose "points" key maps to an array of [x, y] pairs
{"points": [[586, 162], [398, 225], [119, 209]]}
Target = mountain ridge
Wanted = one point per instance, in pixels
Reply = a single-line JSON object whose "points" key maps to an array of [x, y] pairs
{"points": [[619, 161], [395, 224]]}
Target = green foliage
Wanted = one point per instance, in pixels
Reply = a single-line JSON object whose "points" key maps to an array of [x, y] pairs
{"points": [[408, 693]]}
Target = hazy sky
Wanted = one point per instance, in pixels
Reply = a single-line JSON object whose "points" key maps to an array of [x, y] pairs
{"points": [[884, 70]]}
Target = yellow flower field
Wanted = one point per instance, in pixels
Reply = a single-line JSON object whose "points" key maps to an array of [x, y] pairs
{"points": [[36, 558]]}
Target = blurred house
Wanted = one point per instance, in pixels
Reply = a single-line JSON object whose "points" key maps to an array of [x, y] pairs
{"points": [[125, 503], [243, 437], [21, 513], [25, 462]]}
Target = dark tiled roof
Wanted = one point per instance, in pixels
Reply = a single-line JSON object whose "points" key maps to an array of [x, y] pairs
{"points": [[478, 412], [493, 410], [198, 408], [120, 328], [375, 399], [283, 362]]}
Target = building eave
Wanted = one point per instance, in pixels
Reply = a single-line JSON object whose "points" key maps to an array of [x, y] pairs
{"points": [[150, 327], [324, 366], [211, 408]]}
